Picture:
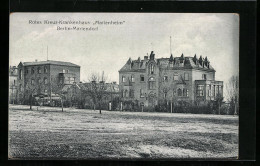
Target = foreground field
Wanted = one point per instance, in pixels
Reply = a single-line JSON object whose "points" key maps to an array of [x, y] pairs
{"points": [[86, 134]]}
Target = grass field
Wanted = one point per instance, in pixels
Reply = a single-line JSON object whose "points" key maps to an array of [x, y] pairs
{"points": [[85, 134]]}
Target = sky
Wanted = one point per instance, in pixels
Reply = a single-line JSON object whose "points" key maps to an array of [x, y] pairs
{"points": [[110, 46]]}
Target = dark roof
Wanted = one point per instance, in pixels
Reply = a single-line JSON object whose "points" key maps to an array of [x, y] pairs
{"points": [[50, 62], [136, 65]]}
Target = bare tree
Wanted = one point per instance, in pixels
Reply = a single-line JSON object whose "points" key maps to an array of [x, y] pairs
{"points": [[33, 89], [219, 100], [96, 89], [166, 88], [232, 92]]}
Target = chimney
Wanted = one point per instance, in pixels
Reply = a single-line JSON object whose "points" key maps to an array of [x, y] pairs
{"points": [[114, 82], [145, 57], [36, 60]]}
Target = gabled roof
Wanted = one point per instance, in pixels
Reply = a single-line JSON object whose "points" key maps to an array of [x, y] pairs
{"points": [[50, 62], [137, 65]]}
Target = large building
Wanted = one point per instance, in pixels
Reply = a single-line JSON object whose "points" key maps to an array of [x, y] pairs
{"points": [[150, 81], [13, 84], [44, 77]]}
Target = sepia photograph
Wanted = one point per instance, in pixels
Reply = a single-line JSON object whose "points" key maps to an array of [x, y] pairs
{"points": [[123, 86]]}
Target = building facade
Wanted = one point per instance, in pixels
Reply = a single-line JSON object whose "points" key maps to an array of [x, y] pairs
{"points": [[13, 84], [45, 77], [150, 81]]}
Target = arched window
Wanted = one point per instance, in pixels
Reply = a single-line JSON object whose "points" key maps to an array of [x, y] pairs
{"points": [[151, 83], [151, 68], [179, 92], [39, 70]]}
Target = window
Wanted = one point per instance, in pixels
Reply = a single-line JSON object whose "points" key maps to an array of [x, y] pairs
{"points": [[71, 80], [132, 79], [45, 81], [175, 76], [32, 70], [179, 92], [165, 78], [63, 71], [14, 82], [39, 70], [151, 69], [123, 78], [220, 89], [45, 69], [67, 71], [186, 76], [125, 93], [209, 90], [142, 93], [217, 90], [171, 64], [185, 92], [32, 81], [200, 90], [45, 90], [27, 71], [142, 78], [213, 90], [204, 76], [151, 83], [131, 93]]}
